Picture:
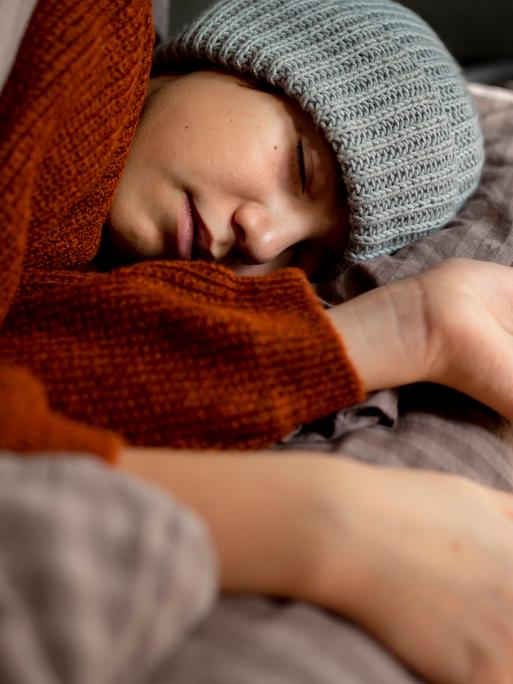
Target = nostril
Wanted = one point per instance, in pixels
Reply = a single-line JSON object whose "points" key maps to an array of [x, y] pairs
{"points": [[240, 234], [237, 256]]}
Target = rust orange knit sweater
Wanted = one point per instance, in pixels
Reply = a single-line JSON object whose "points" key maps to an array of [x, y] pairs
{"points": [[158, 354]]}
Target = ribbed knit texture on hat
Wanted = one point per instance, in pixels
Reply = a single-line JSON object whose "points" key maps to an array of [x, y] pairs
{"points": [[381, 86]]}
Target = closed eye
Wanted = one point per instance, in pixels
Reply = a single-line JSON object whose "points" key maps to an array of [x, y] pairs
{"points": [[300, 153]]}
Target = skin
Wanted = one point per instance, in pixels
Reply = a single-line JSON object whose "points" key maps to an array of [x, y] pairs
{"points": [[232, 149], [423, 560]]}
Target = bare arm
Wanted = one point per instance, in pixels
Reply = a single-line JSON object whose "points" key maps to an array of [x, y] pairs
{"points": [[451, 325], [264, 511], [423, 560]]}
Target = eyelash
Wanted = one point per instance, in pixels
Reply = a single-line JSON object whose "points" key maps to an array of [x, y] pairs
{"points": [[301, 164]]}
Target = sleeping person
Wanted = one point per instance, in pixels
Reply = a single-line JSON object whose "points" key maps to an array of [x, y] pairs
{"points": [[351, 127], [147, 305]]}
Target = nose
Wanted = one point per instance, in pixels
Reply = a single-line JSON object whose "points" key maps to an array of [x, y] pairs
{"points": [[261, 235]]}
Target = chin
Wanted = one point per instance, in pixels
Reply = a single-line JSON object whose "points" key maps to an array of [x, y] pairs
{"points": [[132, 241]]}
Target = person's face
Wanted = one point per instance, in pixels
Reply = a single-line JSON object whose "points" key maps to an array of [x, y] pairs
{"points": [[224, 172]]}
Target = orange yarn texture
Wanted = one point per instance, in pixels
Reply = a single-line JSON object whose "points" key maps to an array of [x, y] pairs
{"points": [[175, 354]]}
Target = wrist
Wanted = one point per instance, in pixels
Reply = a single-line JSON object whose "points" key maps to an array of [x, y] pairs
{"points": [[386, 334]]}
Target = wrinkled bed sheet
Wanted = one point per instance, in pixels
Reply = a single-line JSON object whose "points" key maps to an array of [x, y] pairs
{"points": [[257, 641], [101, 576], [106, 580]]}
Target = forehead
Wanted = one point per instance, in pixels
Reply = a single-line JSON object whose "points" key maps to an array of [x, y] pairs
{"points": [[220, 82]]}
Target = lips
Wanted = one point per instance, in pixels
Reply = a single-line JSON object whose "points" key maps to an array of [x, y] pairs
{"points": [[185, 231], [193, 237], [202, 236]]}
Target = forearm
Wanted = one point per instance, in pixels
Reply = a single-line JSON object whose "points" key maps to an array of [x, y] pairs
{"points": [[29, 425], [450, 325], [268, 515], [206, 343]]}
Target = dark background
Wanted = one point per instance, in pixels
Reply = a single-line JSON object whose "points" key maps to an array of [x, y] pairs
{"points": [[479, 33]]}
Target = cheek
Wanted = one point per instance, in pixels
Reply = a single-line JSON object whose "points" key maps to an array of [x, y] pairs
{"points": [[164, 134], [201, 143], [130, 228], [225, 157], [232, 144]]}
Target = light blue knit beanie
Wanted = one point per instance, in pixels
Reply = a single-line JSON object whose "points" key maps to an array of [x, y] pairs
{"points": [[380, 85]]}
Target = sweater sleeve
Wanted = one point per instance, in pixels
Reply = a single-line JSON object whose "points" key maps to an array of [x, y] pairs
{"points": [[66, 122], [28, 424], [178, 354], [162, 354]]}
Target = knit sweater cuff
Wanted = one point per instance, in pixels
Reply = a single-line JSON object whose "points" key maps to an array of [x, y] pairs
{"points": [[28, 424], [297, 357]]}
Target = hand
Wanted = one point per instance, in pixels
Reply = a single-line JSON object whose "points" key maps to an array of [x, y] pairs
{"points": [[422, 560], [453, 325], [429, 560], [469, 311]]}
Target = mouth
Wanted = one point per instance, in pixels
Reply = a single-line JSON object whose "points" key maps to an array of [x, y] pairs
{"points": [[185, 233], [202, 236]]}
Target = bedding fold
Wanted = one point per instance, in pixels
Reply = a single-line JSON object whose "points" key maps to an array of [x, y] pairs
{"points": [[101, 577], [254, 639]]}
